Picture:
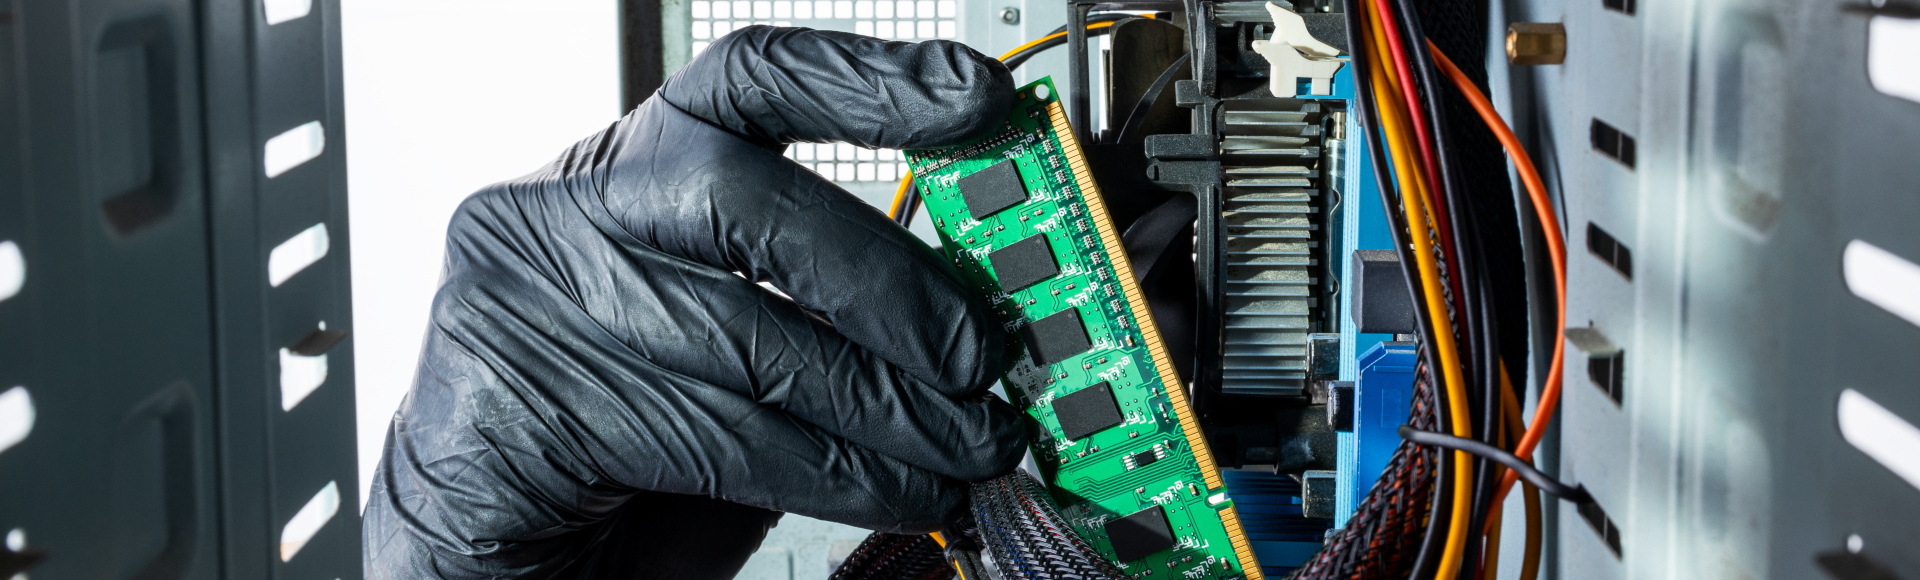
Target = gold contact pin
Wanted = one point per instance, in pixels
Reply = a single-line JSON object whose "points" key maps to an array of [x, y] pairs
{"points": [[1110, 241]]}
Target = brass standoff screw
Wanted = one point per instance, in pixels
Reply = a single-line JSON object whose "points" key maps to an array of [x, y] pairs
{"points": [[1530, 43]]}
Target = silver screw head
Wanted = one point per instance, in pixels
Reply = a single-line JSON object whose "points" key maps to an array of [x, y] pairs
{"points": [[1010, 15]]}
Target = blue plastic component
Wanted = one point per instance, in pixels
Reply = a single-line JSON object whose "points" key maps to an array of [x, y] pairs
{"points": [[1270, 510], [1382, 395], [1361, 218]]}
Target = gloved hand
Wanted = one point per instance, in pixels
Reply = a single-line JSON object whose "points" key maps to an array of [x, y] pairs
{"points": [[601, 395]]}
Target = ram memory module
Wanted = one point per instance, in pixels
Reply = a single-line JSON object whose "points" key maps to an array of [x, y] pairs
{"points": [[1020, 216]]}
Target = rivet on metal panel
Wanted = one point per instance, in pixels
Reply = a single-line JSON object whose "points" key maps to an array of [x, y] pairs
{"points": [[17, 558]]}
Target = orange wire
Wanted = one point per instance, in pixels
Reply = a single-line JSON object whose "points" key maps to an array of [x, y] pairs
{"points": [[1406, 166], [900, 196], [1418, 115], [1556, 248]]}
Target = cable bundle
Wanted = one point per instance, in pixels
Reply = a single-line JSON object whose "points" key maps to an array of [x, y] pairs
{"points": [[1386, 530], [1442, 234], [1432, 514], [1015, 519], [884, 556], [1028, 538]]}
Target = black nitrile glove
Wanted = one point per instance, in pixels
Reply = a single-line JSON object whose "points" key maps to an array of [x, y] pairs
{"points": [[600, 395]]}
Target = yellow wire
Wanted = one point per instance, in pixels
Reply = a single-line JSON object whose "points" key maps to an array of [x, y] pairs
{"points": [[1510, 407], [900, 196], [1508, 422], [1037, 41], [1414, 201], [1413, 196]]}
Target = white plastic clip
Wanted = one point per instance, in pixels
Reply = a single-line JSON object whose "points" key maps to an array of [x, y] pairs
{"points": [[1294, 53]]}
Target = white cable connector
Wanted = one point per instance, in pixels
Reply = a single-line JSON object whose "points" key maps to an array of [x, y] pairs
{"points": [[1293, 53]]}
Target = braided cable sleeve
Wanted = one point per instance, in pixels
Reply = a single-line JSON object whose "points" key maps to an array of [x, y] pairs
{"points": [[884, 556], [1028, 537], [1383, 537], [1035, 498]]}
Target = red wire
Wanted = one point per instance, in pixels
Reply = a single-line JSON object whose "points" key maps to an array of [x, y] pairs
{"points": [[1424, 138]]}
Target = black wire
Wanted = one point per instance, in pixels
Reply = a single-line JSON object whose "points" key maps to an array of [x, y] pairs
{"points": [[1487, 471], [1396, 221], [1403, 247], [1546, 483], [911, 204], [1139, 113], [1427, 87], [1426, 80], [1481, 323], [1468, 256], [1433, 539]]}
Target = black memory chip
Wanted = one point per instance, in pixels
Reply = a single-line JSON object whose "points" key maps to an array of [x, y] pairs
{"points": [[1086, 411], [1054, 338], [1145, 458], [993, 189], [1025, 263], [1140, 535]]}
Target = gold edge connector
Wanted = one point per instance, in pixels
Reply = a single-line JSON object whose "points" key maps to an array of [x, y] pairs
{"points": [[1150, 332], [1230, 518]]}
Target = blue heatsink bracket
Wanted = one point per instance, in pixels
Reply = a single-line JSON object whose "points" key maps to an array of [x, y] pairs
{"points": [[1270, 505], [1382, 395]]}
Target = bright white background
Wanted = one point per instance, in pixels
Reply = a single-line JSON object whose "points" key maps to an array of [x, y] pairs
{"points": [[444, 97]]}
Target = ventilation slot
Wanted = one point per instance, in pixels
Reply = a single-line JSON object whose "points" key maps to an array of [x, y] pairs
{"points": [[1606, 372], [1881, 434], [1611, 141], [1602, 526], [13, 269], [1610, 250], [1606, 363], [278, 11], [1271, 153], [307, 522], [16, 416], [1874, 274]]}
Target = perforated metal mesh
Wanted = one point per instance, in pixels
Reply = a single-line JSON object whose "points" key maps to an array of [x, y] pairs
{"points": [[907, 20]]}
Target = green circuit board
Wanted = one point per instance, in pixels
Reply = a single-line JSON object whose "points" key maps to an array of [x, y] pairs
{"points": [[1020, 216]]}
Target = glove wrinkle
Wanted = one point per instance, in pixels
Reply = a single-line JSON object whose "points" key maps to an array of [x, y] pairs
{"points": [[594, 366]]}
